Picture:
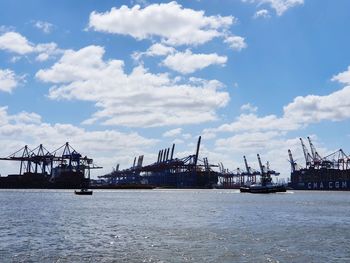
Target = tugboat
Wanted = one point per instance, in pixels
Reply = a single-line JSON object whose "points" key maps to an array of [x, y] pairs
{"points": [[266, 186], [83, 191]]}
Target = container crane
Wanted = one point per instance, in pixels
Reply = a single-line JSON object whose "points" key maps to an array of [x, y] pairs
{"points": [[307, 156]]}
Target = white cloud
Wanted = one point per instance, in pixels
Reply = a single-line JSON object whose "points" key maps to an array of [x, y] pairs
{"points": [[248, 107], [236, 42], [47, 50], [207, 134], [139, 99], [14, 59], [252, 122], [271, 145], [25, 118], [173, 132], [187, 62], [314, 108], [251, 134], [8, 80], [343, 77], [301, 112], [178, 141], [16, 43], [6, 28], [256, 141], [28, 129], [171, 22], [46, 27], [157, 49], [263, 13], [140, 2], [280, 6], [186, 136]]}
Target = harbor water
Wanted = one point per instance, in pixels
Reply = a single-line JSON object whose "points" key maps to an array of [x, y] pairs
{"points": [[174, 226]]}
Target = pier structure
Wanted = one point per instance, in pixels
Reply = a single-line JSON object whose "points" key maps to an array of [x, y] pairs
{"points": [[168, 171], [188, 172]]}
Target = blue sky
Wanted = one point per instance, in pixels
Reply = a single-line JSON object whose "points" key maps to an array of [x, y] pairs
{"points": [[119, 79]]}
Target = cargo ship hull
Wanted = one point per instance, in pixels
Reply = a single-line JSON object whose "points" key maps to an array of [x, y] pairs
{"points": [[321, 179], [66, 180]]}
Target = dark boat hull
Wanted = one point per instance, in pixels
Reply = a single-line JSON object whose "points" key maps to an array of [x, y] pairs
{"points": [[83, 192], [66, 180], [263, 189]]}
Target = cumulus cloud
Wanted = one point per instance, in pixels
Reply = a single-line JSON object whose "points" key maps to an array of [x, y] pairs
{"points": [[271, 145], [46, 27], [106, 147], [47, 51], [263, 13], [249, 107], [139, 99], [252, 122], [236, 42], [301, 112], [280, 6], [16, 43], [187, 62], [343, 77], [314, 108], [173, 132], [172, 23], [184, 62], [8, 80], [250, 134], [247, 140], [157, 49]]}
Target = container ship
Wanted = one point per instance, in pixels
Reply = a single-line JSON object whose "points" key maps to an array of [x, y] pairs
{"points": [[331, 172], [63, 168]]}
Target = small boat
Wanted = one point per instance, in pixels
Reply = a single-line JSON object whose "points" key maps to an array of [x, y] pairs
{"points": [[263, 189], [266, 186], [83, 192]]}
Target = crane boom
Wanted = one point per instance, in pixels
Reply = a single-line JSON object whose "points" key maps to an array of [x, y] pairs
{"points": [[312, 147], [291, 160], [306, 154], [246, 165], [260, 164]]}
